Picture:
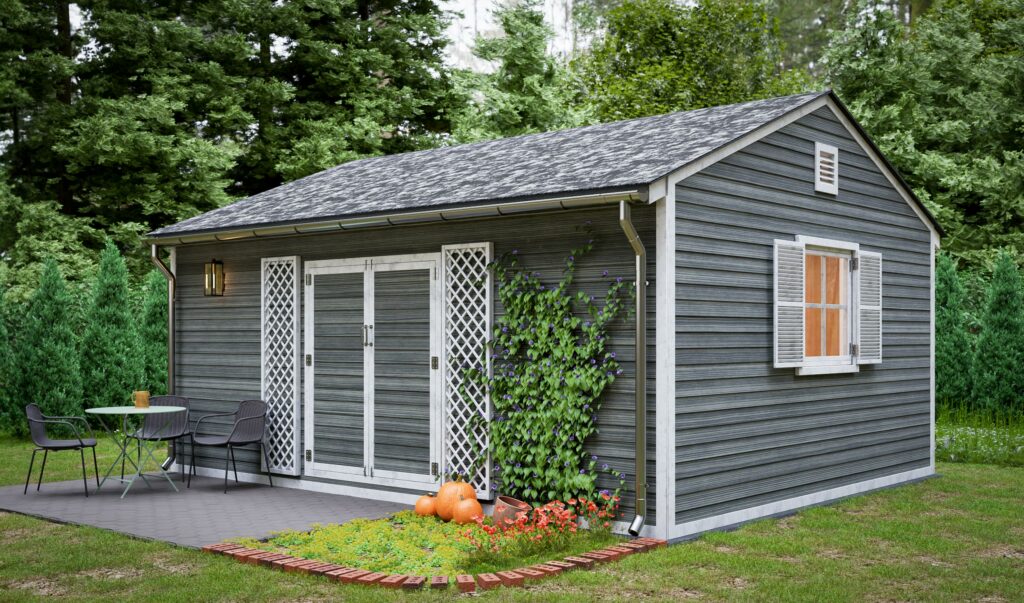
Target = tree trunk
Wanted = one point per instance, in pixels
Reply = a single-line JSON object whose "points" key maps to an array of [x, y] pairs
{"points": [[65, 91]]}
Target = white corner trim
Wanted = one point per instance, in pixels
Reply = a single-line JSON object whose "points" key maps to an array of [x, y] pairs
{"points": [[881, 165], [665, 371], [827, 369], [827, 243], [691, 528], [931, 355], [751, 137]]}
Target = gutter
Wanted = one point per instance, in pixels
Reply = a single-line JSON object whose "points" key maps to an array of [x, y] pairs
{"points": [[640, 341], [397, 219], [172, 287]]}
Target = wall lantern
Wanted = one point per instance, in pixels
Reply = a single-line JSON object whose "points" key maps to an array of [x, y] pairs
{"points": [[213, 272]]}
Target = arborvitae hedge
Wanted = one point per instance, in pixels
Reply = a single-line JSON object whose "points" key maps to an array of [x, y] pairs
{"points": [[112, 366], [953, 350], [153, 333], [8, 408], [47, 352], [998, 370]]}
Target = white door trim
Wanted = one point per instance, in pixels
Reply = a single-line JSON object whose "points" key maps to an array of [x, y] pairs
{"points": [[368, 266]]}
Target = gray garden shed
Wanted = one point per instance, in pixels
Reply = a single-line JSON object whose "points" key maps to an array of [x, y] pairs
{"points": [[787, 333]]}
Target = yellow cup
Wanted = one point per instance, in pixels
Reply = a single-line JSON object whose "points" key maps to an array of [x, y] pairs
{"points": [[141, 399]]}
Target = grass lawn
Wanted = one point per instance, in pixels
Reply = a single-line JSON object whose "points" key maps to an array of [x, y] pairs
{"points": [[959, 537]]}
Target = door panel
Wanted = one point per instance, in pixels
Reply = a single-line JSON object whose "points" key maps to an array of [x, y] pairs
{"points": [[338, 384], [372, 409], [401, 386]]}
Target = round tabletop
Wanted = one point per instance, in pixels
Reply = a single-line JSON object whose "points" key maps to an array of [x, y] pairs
{"points": [[132, 410]]}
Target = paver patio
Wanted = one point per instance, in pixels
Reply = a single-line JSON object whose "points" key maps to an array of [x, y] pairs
{"points": [[194, 517]]}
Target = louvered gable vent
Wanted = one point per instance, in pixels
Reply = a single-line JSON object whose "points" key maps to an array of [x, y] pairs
{"points": [[826, 168]]}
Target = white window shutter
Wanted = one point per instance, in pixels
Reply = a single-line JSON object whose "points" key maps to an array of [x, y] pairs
{"points": [[789, 304], [826, 168], [869, 307]]}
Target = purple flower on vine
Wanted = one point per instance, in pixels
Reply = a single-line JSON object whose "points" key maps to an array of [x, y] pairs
{"points": [[582, 471], [618, 372], [618, 279], [604, 273], [605, 493], [504, 329], [515, 252], [612, 354], [604, 467], [593, 457]]}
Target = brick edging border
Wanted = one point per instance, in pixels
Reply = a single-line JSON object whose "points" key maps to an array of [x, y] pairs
{"points": [[466, 583]]}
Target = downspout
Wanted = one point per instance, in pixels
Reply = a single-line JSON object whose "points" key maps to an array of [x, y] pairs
{"points": [[640, 341], [171, 291]]}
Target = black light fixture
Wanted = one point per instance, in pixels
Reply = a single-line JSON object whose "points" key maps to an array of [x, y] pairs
{"points": [[213, 273]]}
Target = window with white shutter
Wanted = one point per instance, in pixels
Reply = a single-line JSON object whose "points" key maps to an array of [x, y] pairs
{"points": [[828, 306], [826, 168]]}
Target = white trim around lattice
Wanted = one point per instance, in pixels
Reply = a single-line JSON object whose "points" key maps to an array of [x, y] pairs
{"points": [[280, 361], [467, 309]]}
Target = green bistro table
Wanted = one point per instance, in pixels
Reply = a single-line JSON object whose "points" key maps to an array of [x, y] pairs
{"points": [[121, 437]]}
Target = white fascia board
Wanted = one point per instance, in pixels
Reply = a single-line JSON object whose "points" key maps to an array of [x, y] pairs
{"points": [[882, 167], [744, 141]]}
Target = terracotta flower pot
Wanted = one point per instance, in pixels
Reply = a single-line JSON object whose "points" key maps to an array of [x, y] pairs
{"points": [[507, 507]]}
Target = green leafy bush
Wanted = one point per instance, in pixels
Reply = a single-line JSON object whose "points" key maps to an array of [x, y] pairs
{"points": [[550, 366], [8, 411]]}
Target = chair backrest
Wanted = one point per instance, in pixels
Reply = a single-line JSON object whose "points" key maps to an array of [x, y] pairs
{"points": [[250, 422], [176, 425], [35, 426]]}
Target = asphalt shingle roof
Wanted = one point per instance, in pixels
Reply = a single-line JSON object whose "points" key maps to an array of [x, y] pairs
{"points": [[607, 156]]}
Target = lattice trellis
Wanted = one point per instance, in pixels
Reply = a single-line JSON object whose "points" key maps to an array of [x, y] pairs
{"points": [[467, 327], [279, 360]]}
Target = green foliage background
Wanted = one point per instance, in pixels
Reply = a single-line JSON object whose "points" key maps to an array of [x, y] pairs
{"points": [[998, 378]]}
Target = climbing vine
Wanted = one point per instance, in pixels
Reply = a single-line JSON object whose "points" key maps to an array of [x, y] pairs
{"points": [[551, 363]]}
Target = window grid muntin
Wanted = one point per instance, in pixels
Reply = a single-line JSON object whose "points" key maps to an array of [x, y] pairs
{"points": [[846, 293]]}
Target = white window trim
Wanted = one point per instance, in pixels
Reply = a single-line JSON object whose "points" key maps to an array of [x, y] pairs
{"points": [[834, 365]]}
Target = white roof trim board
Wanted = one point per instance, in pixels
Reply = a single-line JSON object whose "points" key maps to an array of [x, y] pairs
{"points": [[616, 156]]}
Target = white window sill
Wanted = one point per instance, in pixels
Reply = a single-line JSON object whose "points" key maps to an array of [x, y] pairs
{"points": [[827, 369]]}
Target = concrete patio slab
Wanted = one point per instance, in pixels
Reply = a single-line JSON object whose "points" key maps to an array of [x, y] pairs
{"points": [[193, 517]]}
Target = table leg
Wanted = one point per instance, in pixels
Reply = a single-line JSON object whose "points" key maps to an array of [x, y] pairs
{"points": [[121, 444]]}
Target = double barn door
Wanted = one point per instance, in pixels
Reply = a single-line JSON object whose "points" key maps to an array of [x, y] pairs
{"points": [[372, 407]]}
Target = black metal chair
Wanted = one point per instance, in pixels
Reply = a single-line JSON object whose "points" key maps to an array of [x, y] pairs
{"points": [[37, 423], [248, 427], [163, 428]]}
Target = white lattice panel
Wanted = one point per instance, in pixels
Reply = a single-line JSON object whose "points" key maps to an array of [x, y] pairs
{"points": [[467, 327], [280, 360]]}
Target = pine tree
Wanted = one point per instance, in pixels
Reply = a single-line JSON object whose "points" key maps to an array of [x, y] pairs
{"points": [[111, 363], [47, 371], [998, 374], [953, 352], [153, 333], [528, 91]]}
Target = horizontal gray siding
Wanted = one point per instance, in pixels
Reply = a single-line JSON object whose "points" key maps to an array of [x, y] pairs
{"points": [[218, 338], [747, 433]]}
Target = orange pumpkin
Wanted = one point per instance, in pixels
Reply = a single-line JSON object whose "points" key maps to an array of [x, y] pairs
{"points": [[449, 495], [467, 510], [426, 505]]}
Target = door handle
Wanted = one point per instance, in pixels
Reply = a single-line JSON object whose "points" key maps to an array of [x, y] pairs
{"points": [[366, 337]]}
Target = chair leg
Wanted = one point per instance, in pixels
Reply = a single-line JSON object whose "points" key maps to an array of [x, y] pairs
{"points": [[122, 467], [138, 455], [95, 467], [192, 461], [85, 480], [30, 464], [266, 459], [234, 467], [227, 465], [41, 469]]}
